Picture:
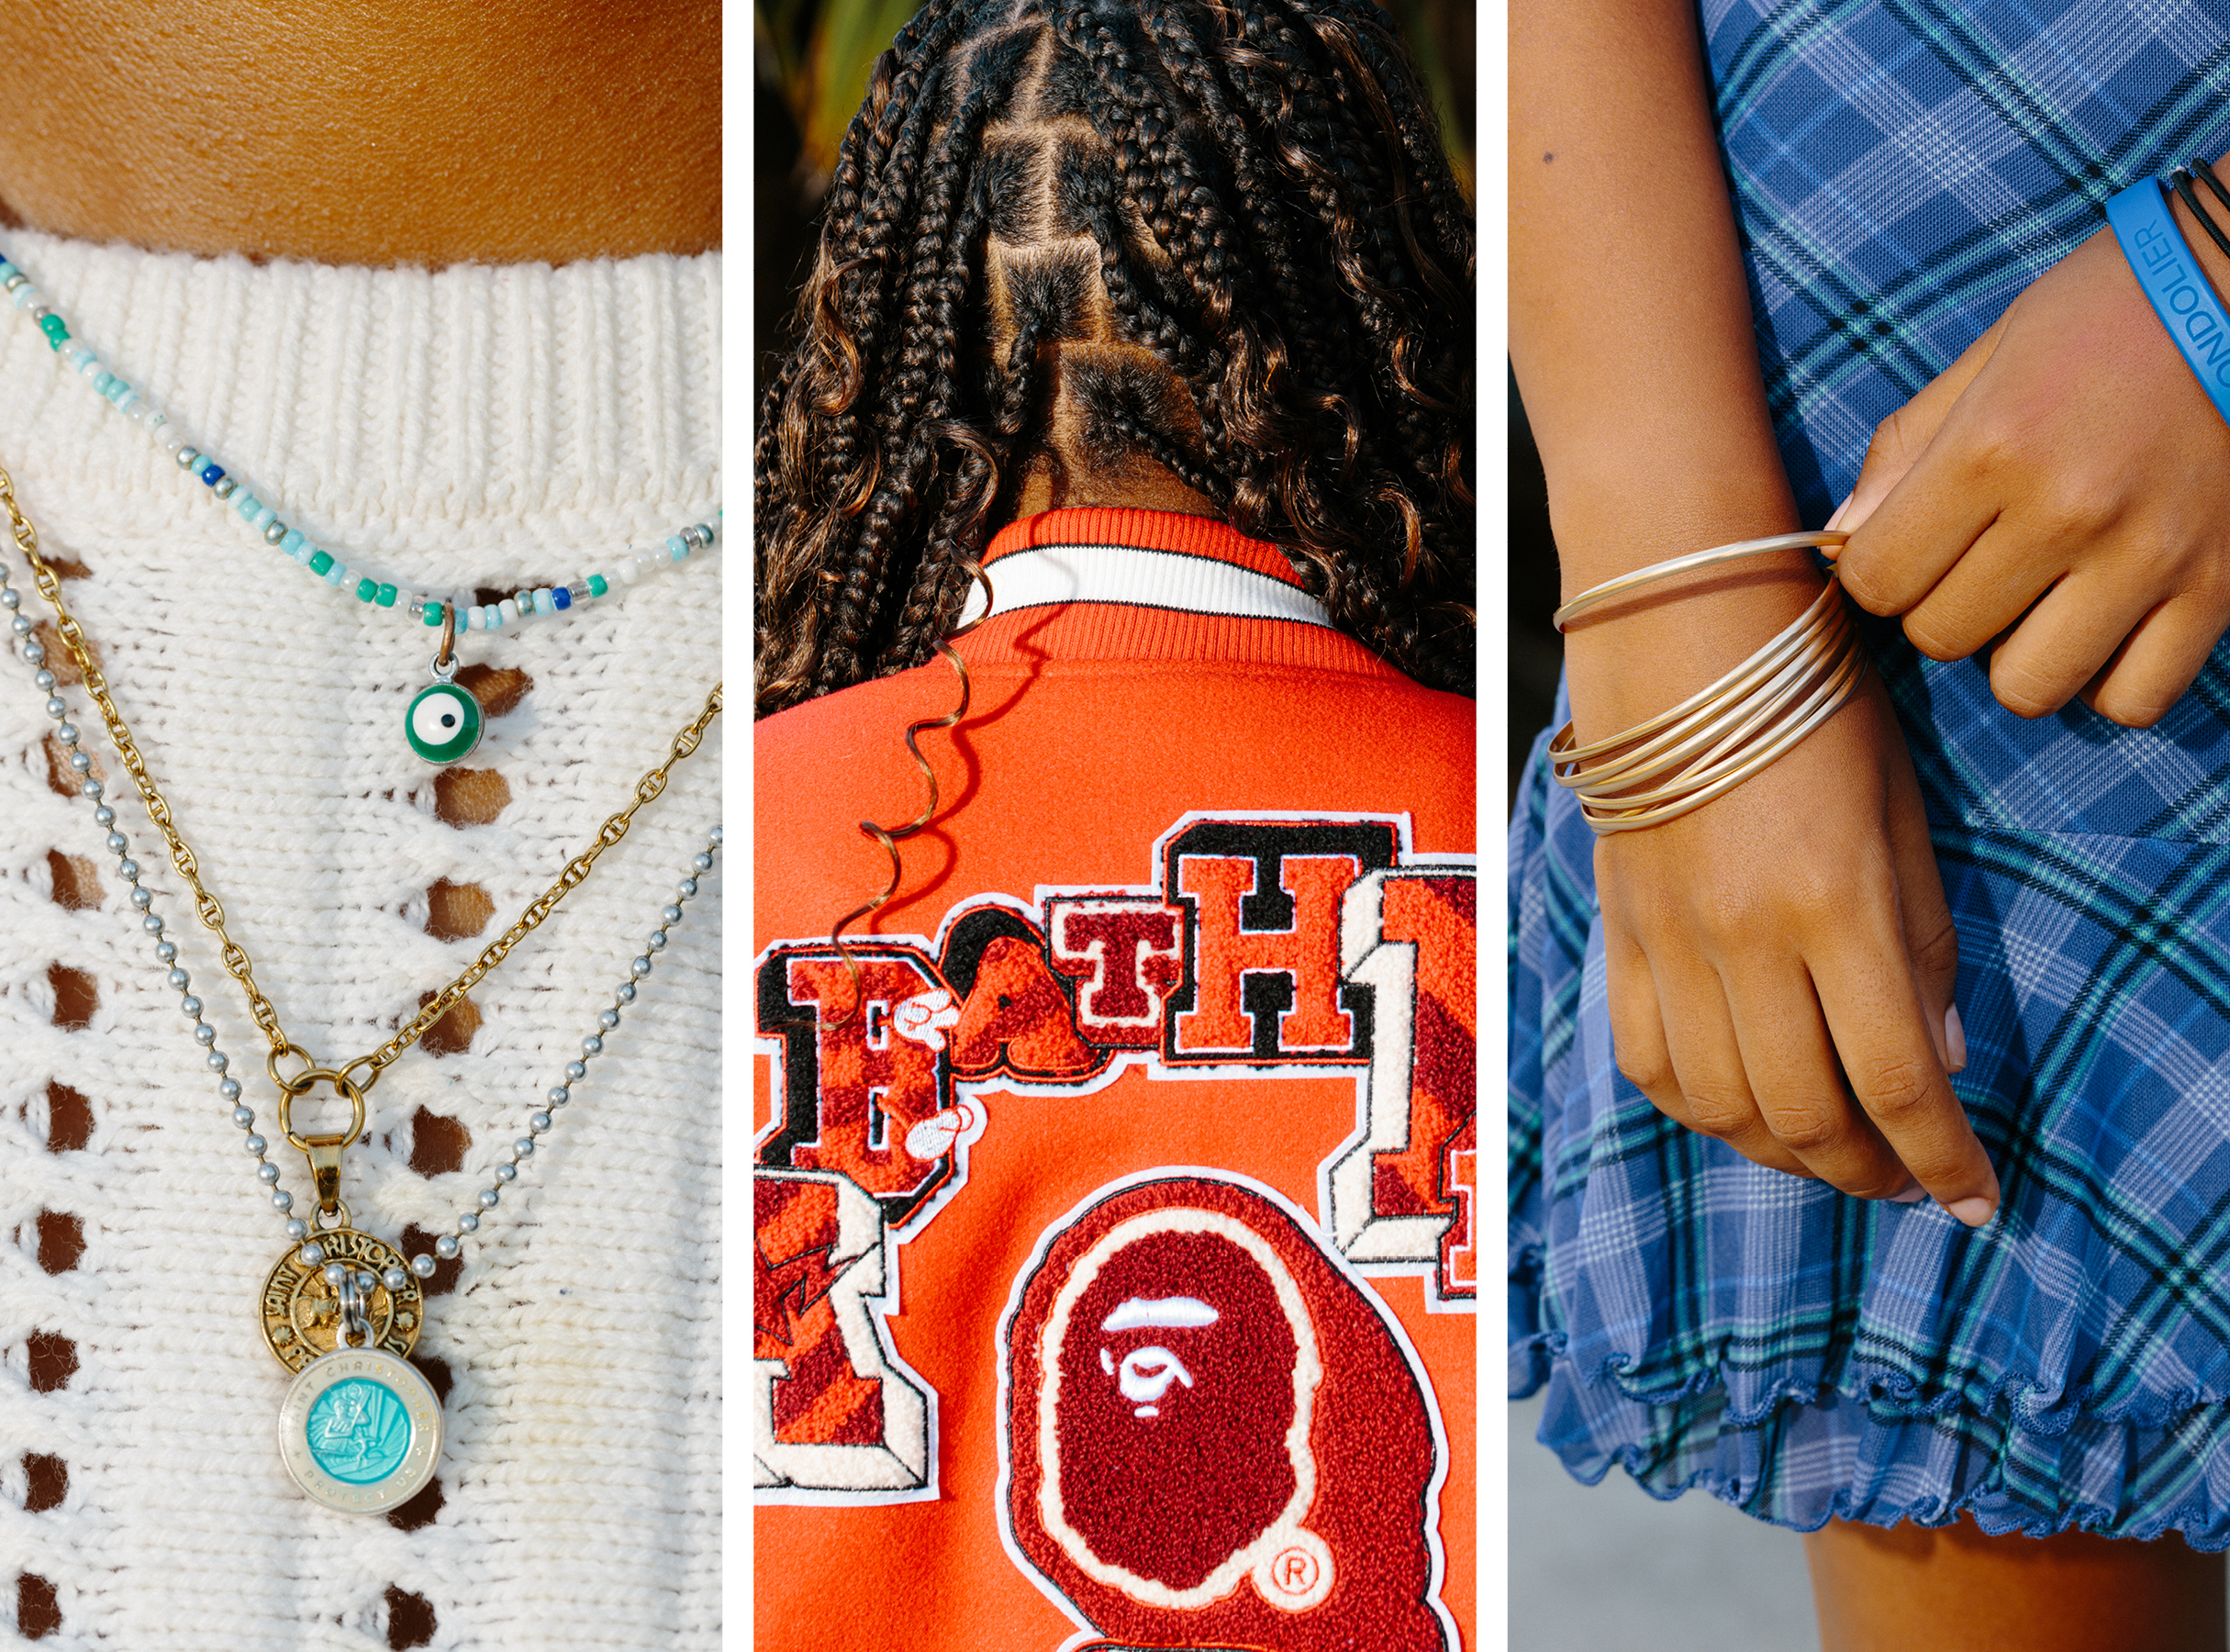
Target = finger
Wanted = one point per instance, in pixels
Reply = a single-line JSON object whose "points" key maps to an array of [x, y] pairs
{"points": [[1874, 1013], [1790, 1068], [1989, 588], [1713, 1096], [2063, 644], [2160, 658], [1932, 942], [1900, 439], [1637, 1029]]}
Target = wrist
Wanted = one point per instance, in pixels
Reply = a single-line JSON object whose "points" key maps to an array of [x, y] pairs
{"points": [[1632, 657], [2183, 274]]}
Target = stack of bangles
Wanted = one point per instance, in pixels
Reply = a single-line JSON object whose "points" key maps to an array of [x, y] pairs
{"points": [[1718, 737]]}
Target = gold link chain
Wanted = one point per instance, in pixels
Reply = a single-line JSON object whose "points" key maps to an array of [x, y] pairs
{"points": [[211, 914]]}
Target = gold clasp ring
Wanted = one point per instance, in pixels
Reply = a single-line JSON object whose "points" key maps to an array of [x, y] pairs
{"points": [[322, 1151]]}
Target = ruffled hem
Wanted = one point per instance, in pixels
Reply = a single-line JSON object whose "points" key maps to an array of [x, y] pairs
{"points": [[1807, 1452]]}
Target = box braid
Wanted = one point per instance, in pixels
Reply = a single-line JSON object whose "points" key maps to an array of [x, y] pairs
{"points": [[1234, 219]]}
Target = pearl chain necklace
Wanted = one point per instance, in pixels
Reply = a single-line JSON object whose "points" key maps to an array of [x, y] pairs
{"points": [[361, 1428]]}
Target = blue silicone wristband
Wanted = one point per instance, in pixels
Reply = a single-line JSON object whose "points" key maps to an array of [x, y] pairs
{"points": [[2178, 288]]}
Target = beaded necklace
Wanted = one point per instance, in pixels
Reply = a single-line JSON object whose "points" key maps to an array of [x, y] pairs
{"points": [[360, 1427], [442, 724]]}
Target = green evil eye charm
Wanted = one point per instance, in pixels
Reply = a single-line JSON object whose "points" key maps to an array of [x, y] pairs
{"points": [[443, 723]]}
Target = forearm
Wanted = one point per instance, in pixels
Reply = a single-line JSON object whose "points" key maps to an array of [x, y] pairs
{"points": [[1632, 337]]}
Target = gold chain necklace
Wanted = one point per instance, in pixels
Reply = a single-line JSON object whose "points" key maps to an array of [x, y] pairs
{"points": [[311, 1306]]}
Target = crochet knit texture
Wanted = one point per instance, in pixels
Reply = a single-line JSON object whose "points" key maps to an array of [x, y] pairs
{"points": [[490, 426]]}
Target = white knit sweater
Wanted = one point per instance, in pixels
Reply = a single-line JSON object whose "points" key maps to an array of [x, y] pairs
{"points": [[477, 426]]}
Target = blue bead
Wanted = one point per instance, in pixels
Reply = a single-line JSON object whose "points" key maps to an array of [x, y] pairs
{"points": [[559, 598], [678, 546], [7, 269], [542, 603], [212, 475], [103, 381], [292, 542], [246, 503]]}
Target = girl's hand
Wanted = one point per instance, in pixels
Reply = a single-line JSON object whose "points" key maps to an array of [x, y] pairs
{"points": [[2064, 486], [1788, 937]]}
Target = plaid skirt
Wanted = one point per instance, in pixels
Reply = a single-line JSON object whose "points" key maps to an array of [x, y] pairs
{"points": [[1901, 172]]}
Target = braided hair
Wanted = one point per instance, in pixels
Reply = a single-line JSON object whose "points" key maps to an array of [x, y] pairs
{"points": [[1235, 219]]}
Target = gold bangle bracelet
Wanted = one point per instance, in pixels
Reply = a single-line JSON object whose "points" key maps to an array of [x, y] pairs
{"points": [[1680, 759], [1798, 639], [1825, 685], [1711, 729], [1847, 680], [1610, 589]]}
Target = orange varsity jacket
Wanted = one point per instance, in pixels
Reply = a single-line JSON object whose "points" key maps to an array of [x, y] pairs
{"points": [[1115, 1243]]}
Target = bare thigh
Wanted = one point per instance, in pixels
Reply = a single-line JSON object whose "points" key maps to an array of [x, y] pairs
{"points": [[1914, 1589]]}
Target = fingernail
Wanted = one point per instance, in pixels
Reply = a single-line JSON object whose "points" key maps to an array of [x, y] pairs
{"points": [[1974, 1212], [1836, 521], [1912, 1195], [1954, 1039]]}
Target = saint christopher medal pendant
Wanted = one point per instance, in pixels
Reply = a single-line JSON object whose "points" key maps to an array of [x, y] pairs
{"points": [[360, 1429], [301, 1308]]}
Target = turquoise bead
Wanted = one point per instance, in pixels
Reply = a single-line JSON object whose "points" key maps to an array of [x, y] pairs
{"points": [[433, 613], [678, 546], [246, 504], [56, 331], [596, 587], [385, 597], [367, 589], [321, 563], [292, 542], [543, 603]]}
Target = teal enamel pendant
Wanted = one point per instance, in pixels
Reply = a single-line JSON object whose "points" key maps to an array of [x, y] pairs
{"points": [[443, 723], [360, 1429]]}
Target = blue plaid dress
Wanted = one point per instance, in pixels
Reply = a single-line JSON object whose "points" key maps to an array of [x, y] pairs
{"points": [[1902, 170]]}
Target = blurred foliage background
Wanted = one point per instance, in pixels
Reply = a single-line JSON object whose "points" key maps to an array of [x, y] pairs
{"points": [[812, 59]]}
